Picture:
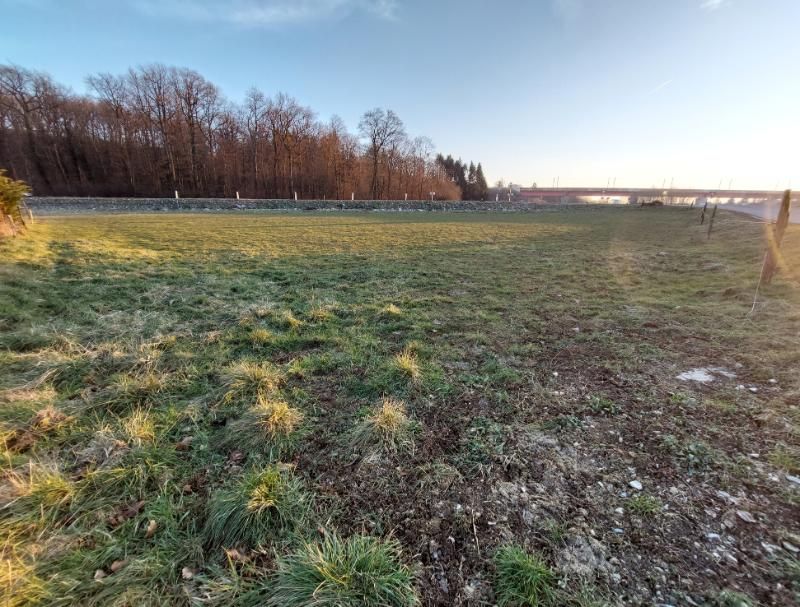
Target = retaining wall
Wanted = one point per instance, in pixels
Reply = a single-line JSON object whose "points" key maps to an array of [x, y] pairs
{"points": [[64, 205]]}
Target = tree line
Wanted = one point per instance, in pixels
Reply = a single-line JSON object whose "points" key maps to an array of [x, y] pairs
{"points": [[157, 129]]}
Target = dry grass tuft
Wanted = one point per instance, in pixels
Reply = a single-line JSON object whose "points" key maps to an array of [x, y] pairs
{"points": [[387, 428], [260, 336], [277, 417], [249, 380], [392, 310], [320, 313], [408, 364], [138, 428], [291, 321]]}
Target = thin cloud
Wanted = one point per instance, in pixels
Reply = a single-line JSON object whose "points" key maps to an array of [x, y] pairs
{"points": [[265, 12], [663, 85], [711, 5]]}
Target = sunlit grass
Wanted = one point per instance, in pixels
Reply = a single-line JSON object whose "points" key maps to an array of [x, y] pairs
{"points": [[175, 361], [359, 571], [387, 428]]}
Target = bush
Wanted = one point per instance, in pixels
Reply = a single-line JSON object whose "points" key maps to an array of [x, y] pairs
{"points": [[11, 193], [361, 571], [523, 579]]}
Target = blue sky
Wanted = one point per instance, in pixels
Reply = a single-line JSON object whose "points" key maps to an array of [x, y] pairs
{"points": [[694, 92]]}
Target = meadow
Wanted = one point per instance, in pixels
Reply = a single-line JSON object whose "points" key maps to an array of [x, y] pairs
{"points": [[394, 409]]}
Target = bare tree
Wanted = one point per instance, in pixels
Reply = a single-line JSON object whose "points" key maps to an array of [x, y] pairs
{"points": [[382, 129]]}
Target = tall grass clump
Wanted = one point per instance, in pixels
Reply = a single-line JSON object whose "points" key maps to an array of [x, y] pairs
{"points": [[263, 506], [246, 381], [522, 579], [360, 571], [388, 428], [268, 427], [407, 363], [35, 496]]}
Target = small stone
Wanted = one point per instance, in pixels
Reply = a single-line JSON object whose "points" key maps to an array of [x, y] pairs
{"points": [[773, 381], [619, 510], [745, 516], [117, 565], [753, 389], [635, 485], [713, 537], [187, 573], [730, 559], [618, 530], [99, 574], [793, 479], [790, 547]]}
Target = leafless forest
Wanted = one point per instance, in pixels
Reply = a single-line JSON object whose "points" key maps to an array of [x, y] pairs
{"points": [[157, 129]]}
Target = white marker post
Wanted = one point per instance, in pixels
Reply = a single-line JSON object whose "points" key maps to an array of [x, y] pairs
{"points": [[176, 194], [237, 195], [406, 195], [295, 196], [352, 196]]}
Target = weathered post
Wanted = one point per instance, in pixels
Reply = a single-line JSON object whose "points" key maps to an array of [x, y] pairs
{"points": [[352, 196], [774, 238], [711, 221], [176, 194], [703, 213], [237, 194], [295, 196]]}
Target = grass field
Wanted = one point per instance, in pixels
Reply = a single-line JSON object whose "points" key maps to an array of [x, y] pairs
{"points": [[398, 409]]}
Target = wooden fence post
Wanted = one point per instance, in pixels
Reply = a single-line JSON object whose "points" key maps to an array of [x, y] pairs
{"points": [[711, 221], [703, 213], [774, 238]]}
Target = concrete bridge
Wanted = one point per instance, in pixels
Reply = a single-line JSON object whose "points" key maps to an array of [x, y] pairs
{"points": [[634, 194]]}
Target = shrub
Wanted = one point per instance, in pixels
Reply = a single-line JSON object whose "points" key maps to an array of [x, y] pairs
{"points": [[11, 194], [264, 505], [523, 579], [387, 428], [358, 572]]}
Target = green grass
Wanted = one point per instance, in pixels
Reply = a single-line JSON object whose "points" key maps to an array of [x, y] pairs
{"points": [[358, 571], [220, 374], [261, 507], [523, 579]]}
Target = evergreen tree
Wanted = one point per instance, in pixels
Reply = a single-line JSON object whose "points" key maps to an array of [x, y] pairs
{"points": [[472, 190], [481, 187]]}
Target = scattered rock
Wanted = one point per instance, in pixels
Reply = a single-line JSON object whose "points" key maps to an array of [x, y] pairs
{"points": [[793, 479], [745, 516], [100, 574], [636, 485], [705, 375], [790, 547], [186, 573], [583, 558]]}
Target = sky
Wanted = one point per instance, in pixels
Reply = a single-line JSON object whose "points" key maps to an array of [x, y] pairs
{"points": [[694, 93]]}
